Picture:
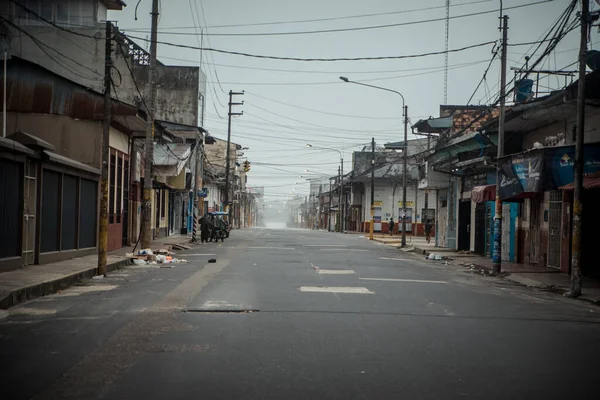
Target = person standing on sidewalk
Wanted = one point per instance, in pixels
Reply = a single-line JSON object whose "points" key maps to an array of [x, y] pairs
{"points": [[428, 226], [391, 226]]}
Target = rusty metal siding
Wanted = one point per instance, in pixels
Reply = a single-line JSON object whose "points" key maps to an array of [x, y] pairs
{"points": [[32, 89]]}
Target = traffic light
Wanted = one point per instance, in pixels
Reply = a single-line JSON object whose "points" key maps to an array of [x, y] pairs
{"points": [[246, 166]]}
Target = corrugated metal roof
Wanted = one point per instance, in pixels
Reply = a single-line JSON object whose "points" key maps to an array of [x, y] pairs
{"points": [[589, 182], [31, 88]]}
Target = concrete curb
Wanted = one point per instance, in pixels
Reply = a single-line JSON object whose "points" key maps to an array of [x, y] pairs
{"points": [[32, 291], [520, 280]]}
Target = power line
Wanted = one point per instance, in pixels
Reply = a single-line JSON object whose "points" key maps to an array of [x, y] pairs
{"points": [[362, 28], [483, 78], [237, 53], [295, 71], [335, 18], [337, 82]]}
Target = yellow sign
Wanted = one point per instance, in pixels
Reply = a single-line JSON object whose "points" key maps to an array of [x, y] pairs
{"points": [[378, 203], [409, 204]]}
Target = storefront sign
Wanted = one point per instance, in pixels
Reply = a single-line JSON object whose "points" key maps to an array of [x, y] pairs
{"points": [[544, 169], [409, 204], [378, 203]]}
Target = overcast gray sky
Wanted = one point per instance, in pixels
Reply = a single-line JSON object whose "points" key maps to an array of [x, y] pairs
{"points": [[321, 109]]}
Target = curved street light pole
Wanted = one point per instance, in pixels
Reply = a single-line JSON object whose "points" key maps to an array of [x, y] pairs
{"points": [[404, 151], [341, 209]]}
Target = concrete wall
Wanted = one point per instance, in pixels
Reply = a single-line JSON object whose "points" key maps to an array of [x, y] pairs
{"points": [[561, 132], [384, 191], [83, 61], [77, 139]]}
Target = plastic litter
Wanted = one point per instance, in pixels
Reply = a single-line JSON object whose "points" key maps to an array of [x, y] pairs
{"points": [[212, 260], [436, 257]]}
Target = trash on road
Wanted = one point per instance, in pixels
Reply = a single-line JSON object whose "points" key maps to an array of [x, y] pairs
{"points": [[434, 256], [212, 260], [152, 257]]}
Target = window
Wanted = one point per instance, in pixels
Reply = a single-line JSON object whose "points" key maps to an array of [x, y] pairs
{"points": [[65, 12]]}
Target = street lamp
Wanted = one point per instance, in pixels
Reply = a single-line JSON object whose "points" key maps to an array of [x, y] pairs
{"points": [[404, 158], [341, 209]]}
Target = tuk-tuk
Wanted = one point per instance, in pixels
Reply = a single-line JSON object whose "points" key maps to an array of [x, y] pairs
{"points": [[221, 224]]}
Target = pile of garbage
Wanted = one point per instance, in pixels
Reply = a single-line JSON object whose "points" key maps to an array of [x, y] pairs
{"points": [[153, 257], [433, 256]]}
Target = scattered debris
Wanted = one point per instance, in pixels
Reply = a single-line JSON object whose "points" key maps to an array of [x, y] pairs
{"points": [[434, 256], [212, 260], [149, 256]]}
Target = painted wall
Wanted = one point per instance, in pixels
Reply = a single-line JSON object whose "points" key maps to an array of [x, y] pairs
{"points": [[385, 193], [77, 139]]}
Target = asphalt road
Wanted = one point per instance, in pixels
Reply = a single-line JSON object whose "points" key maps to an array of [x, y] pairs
{"points": [[293, 314]]}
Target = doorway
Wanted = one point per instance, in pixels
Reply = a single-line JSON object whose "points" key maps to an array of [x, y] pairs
{"points": [[464, 225]]}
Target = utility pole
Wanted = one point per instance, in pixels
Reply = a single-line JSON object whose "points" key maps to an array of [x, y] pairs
{"points": [[371, 225], [579, 161], [197, 212], [319, 205], [404, 175], [497, 250], [103, 231], [149, 153], [228, 156], [339, 200], [342, 207]]}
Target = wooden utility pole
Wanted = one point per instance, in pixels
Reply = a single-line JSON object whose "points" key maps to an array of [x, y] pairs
{"points": [[228, 155], [497, 249], [339, 222], [371, 225], [319, 205], [103, 228], [197, 213], [404, 175], [149, 153], [579, 161]]}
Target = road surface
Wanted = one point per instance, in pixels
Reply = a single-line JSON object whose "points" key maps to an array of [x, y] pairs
{"points": [[296, 314]]}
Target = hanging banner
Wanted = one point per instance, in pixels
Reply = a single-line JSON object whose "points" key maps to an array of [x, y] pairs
{"points": [[561, 160]]}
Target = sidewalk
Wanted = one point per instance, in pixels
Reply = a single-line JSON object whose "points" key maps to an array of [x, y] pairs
{"points": [[39, 280], [523, 274]]}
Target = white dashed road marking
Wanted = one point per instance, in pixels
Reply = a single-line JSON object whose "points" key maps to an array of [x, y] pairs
{"points": [[335, 289], [330, 249], [326, 245], [269, 247], [199, 254], [403, 280], [394, 259], [335, 271]]}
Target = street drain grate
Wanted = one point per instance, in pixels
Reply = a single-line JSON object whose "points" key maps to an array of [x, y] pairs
{"points": [[220, 310]]}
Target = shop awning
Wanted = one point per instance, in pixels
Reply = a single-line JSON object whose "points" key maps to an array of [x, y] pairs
{"points": [[589, 182], [481, 194]]}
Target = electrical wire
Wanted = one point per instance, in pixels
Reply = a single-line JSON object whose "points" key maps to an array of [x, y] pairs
{"points": [[269, 57], [338, 82], [483, 78], [137, 88], [43, 46], [336, 18], [362, 28]]}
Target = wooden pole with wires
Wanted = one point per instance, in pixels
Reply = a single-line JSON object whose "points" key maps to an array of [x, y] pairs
{"points": [[146, 230], [103, 223], [575, 290]]}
